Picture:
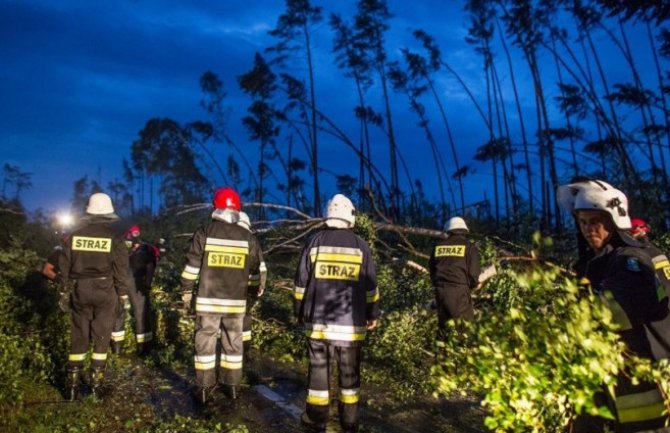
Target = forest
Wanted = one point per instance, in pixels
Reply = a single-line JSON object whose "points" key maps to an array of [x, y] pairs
{"points": [[539, 348]]}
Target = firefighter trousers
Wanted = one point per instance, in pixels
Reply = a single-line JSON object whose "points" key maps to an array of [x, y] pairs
{"points": [[252, 299], [453, 302], [141, 306], [206, 339], [348, 360], [93, 303]]}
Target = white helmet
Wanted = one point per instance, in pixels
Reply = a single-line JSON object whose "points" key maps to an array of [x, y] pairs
{"points": [[340, 212], [595, 195], [100, 204], [244, 221], [455, 223]]}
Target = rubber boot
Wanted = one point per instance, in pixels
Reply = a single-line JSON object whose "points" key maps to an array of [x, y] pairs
{"points": [[202, 395], [312, 425], [72, 383], [97, 377], [143, 349], [231, 391], [117, 347]]}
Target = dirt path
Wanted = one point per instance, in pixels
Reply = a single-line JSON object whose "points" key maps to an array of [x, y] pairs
{"points": [[272, 399]]}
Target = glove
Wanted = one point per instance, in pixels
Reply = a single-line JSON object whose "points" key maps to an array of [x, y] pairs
{"points": [[64, 302], [123, 300], [187, 298]]}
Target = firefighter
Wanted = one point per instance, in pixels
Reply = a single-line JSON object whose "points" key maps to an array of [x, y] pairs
{"points": [[142, 263], [256, 289], [222, 256], [337, 301], [454, 272], [622, 273], [657, 331], [94, 269]]}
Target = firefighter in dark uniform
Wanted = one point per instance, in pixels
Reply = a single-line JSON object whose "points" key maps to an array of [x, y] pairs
{"points": [[337, 300], [454, 272], [658, 331], [256, 288], [222, 256], [622, 273], [142, 262], [94, 266]]}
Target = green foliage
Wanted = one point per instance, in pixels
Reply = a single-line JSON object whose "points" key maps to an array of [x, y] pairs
{"points": [[537, 361], [31, 332]]}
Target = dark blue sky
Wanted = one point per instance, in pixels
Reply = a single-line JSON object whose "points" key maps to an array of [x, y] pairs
{"points": [[80, 79]]}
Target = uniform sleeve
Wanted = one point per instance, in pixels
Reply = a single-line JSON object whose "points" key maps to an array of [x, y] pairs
{"points": [[474, 267], [120, 266], [633, 284], [151, 268], [369, 281], [194, 257], [257, 268], [431, 267], [64, 261], [302, 276]]}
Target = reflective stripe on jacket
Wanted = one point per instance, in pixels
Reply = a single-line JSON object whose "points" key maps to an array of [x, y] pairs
{"points": [[222, 257], [336, 287], [623, 275]]}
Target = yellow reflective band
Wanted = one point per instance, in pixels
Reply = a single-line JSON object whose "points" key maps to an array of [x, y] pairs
{"points": [[220, 309], [189, 276], [226, 260], [372, 297], [662, 264], [231, 365], [246, 336], [643, 413], [346, 258], [349, 397], [450, 251], [318, 398], [99, 356], [227, 249], [97, 245], [331, 335], [298, 296], [142, 338], [337, 271], [76, 357], [119, 336], [205, 365]]}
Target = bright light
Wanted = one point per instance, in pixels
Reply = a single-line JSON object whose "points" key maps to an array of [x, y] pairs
{"points": [[65, 219]]}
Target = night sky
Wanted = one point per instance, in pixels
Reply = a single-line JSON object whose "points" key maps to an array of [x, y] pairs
{"points": [[80, 79]]}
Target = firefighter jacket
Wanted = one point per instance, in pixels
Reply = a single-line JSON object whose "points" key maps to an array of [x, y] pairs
{"points": [[222, 257], [95, 251], [142, 266], [623, 276], [454, 262], [661, 266], [335, 290]]}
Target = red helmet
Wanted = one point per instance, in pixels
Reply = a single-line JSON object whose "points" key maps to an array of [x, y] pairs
{"points": [[639, 227], [227, 198], [133, 232]]}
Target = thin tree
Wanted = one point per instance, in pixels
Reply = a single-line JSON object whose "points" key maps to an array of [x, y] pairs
{"points": [[293, 30]]}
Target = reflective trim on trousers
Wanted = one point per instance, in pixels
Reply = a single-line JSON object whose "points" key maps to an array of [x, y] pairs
{"points": [[143, 338], [317, 397], [349, 396], [206, 362]]}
